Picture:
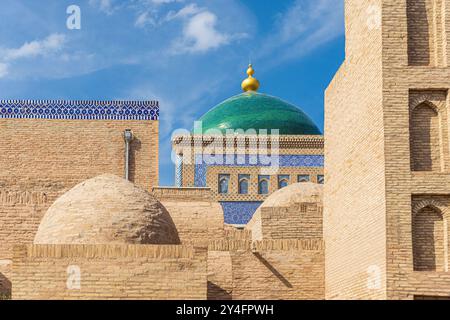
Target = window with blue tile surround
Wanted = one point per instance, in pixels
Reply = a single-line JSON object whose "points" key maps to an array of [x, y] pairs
{"points": [[321, 179], [224, 180], [285, 161], [263, 184], [243, 182], [303, 178], [283, 181]]}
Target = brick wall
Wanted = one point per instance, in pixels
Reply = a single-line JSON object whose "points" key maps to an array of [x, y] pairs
{"points": [[428, 240], [425, 32], [5, 279], [406, 86], [298, 222], [428, 128], [377, 130], [354, 191], [109, 272], [41, 159], [268, 270], [220, 275], [197, 217]]}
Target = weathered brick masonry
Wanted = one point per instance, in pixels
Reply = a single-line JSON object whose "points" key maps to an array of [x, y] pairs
{"points": [[387, 154], [109, 272], [41, 159]]}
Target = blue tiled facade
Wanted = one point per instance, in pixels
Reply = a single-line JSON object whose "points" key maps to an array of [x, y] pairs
{"points": [[179, 171], [239, 212], [201, 166], [84, 110]]}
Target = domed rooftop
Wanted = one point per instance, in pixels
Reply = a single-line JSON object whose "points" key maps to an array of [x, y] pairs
{"points": [[252, 110], [107, 209], [290, 197], [293, 194]]}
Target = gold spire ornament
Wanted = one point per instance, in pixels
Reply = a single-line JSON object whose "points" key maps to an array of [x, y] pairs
{"points": [[250, 84]]}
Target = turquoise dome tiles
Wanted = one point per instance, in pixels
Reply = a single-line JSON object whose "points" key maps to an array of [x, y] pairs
{"points": [[252, 110]]}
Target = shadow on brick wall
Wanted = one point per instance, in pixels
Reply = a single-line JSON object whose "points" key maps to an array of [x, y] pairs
{"points": [[5, 287], [135, 146], [217, 293], [273, 270]]}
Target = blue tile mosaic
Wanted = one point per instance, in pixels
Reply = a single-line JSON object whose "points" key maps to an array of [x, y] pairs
{"points": [[239, 212], [85, 110], [179, 171], [201, 166]]}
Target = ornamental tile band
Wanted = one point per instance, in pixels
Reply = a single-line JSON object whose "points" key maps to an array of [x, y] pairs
{"points": [[285, 161], [79, 110]]}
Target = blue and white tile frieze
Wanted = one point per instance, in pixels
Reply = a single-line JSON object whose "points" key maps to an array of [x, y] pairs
{"points": [[84, 110]]}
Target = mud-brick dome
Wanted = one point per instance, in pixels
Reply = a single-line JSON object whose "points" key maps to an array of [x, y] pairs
{"points": [[107, 209], [295, 225], [304, 192]]}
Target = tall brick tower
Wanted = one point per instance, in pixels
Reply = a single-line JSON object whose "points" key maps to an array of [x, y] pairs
{"points": [[387, 165]]}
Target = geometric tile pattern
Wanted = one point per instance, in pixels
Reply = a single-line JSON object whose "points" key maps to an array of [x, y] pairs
{"points": [[285, 161], [84, 110], [239, 212], [178, 171]]}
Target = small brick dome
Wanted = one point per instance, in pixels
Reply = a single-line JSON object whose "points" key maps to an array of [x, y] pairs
{"points": [[290, 197], [295, 193], [107, 209]]}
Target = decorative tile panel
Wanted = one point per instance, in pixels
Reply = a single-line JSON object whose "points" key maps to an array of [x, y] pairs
{"points": [[239, 212], [179, 171], [286, 161], [79, 110]]}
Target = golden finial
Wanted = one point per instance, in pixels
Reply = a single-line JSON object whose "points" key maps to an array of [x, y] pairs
{"points": [[250, 84]]}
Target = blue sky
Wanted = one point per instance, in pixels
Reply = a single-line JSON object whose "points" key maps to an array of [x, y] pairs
{"points": [[189, 55]]}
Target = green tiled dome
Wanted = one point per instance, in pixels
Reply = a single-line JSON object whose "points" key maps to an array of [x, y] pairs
{"points": [[252, 110]]}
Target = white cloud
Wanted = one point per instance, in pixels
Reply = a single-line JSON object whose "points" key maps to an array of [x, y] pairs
{"points": [[144, 19], [186, 11], [106, 6], [200, 33], [52, 43], [150, 16], [3, 70]]}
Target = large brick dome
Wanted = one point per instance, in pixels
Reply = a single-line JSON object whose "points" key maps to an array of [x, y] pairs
{"points": [[107, 209]]}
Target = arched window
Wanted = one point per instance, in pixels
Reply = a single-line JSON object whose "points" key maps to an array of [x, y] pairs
{"points": [[263, 186], [223, 183], [428, 240], [425, 138], [320, 179], [283, 181], [303, 178], [243, 183]]}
